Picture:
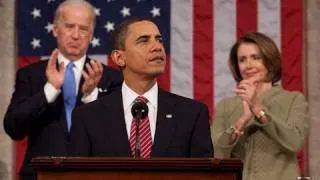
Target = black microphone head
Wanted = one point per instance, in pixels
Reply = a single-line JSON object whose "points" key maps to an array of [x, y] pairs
{"points": [[139, 110]]}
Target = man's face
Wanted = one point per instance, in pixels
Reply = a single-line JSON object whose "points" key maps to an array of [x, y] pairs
{"points": [[144, 53], [74, 31]]}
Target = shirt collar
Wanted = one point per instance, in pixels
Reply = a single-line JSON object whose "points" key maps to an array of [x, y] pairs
{"points": [[79, 63], [129, 95]]}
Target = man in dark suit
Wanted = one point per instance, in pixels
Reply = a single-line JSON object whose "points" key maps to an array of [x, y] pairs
{"points": [[175, 126], [46, 92]]}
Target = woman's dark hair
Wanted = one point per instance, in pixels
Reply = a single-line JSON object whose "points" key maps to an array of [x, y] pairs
{"points": [[269, 53]]}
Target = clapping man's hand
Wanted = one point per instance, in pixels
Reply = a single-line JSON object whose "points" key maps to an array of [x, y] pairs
{"points": [[54, 73], [92, 77]]}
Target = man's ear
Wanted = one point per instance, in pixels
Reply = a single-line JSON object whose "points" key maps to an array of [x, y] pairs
{"points": [[118, 58], [54, 30]]}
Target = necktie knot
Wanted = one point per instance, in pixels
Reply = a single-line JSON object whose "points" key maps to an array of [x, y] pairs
{"points": [[141, 99], [70, 66]]}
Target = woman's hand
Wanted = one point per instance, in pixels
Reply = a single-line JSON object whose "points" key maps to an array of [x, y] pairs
{"points": [[246, 89], [247, 113]]}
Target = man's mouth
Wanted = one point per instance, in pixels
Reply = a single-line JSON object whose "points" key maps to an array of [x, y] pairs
{"points": [[157, 58]]}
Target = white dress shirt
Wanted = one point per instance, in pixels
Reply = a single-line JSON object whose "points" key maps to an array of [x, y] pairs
{"points": [[52, 93], [128, 96]]}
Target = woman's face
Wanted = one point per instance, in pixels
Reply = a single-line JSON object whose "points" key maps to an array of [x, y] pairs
{"points": [[250, 63]]}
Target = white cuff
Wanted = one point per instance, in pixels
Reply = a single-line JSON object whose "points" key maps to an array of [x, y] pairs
{"points": [[51, 92], [90, 97]]}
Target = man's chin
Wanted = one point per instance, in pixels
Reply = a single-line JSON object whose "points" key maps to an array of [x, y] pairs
{"points": [[75, 54], [157, 73]]}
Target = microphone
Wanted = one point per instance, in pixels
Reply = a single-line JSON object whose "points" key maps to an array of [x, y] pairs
{"points": [[139, 111]]}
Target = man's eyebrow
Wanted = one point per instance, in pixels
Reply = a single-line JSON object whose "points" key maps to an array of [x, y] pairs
{"points": [[143, 37], [148, 36]]}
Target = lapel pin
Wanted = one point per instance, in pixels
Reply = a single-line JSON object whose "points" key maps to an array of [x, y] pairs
{"points": [[168, 115], [102, 90]]}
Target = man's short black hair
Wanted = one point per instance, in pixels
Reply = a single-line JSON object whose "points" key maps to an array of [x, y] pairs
{"points": [[118, 36]]}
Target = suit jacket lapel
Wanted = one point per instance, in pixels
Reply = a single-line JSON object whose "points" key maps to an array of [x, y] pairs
{"points": [[165, 124], [115, 125], [80, 94], [59, 104]]}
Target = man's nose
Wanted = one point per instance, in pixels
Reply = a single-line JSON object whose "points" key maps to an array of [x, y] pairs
{"points": [[156, 46], [75, 33]]}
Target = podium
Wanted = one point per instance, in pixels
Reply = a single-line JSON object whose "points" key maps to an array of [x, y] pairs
{"points": [[96, 168]]}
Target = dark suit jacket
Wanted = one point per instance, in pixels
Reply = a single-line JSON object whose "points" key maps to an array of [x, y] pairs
{"points": [[30, 115], [99, 128]]}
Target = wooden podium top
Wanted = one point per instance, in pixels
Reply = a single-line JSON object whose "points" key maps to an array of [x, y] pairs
{"points": [[83, 168], [78, 163]]}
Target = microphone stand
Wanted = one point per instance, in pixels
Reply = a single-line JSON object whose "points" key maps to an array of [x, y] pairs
{"points": [[137, 145]]}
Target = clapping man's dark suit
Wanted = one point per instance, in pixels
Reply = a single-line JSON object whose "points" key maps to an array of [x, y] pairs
{"points": [[29, 113], [101, 128]]}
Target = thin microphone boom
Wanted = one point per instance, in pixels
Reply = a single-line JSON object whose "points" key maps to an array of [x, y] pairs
{"points": [[139, 111]]}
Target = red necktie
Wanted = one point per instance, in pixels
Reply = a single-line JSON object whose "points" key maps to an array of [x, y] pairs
{"points": [[144, 132]]}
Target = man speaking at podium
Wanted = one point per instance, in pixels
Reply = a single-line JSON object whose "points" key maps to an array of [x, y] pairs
{"points": [[139, 119]]}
